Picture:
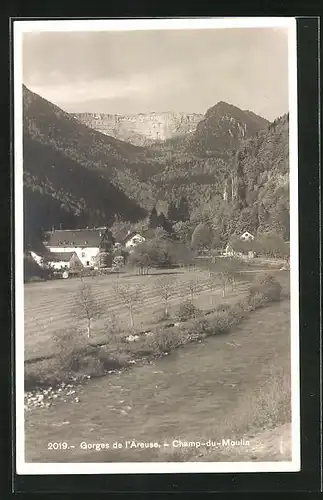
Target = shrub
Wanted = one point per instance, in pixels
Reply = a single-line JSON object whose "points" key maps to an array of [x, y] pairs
{"points": [[145, 347], [257, 300], [162, 317], [112, 361], [201, 328], [223, 321], [266, 286], [187, 311], [165, 340], [222, 307], [91, 365], [239, 310], [112, 330], [41, 374], [70, 346]]}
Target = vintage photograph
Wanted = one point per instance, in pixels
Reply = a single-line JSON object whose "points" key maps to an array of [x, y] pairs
{"points": [[156, 245]]}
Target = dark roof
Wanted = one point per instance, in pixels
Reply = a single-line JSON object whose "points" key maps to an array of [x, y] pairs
{"points": [[60, 256], [75, 238]]}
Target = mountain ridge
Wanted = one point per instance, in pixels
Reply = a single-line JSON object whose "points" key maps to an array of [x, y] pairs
{"points": [[68, 171], [80, 176], [141, 129], [223, 127]]}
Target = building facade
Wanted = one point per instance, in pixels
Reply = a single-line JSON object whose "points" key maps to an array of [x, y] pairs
{"points": [[85, 243]]}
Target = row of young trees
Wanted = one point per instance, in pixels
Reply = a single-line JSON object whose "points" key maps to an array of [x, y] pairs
{"points": [[88, 308]]}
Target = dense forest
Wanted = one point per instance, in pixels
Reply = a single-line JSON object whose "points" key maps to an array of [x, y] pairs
{"points": [[231, 175], [68, 172]]}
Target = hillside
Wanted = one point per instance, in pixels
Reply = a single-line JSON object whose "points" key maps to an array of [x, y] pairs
{"points": [[190, 167], [69, 171], [49, 124], [141, 129], [222, 129], [252, 191], [75, 176]]}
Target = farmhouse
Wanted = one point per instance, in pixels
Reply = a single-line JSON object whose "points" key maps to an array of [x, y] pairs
{"points": [[63, 260], [133, 239], [86, 243], [235, 249]]}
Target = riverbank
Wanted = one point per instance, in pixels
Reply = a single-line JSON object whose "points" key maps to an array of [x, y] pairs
{"points": [[76, 360], [218, 388]]}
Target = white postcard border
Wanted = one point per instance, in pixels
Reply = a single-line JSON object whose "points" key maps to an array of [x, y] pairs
{"points": [[20, 27]]}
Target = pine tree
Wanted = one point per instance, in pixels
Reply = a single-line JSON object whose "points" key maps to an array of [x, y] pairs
{"points": [[153, 219], [183, 209], [281, 221], [161, 221], [263, 217], [172, 213], [241, 186]]}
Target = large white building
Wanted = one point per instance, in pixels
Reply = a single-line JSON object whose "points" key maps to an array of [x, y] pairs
{"points": [[86, 243]]}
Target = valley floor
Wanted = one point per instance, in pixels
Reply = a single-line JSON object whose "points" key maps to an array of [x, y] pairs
{"points": [[234, 386]]}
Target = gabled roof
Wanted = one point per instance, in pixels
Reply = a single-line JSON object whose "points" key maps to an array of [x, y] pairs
{"points": [[131, 235], [75, 238], [60, 256], [246, 233]]}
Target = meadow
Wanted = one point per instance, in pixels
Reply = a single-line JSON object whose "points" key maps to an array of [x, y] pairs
{"points": [[48, 305], [220, 386]]}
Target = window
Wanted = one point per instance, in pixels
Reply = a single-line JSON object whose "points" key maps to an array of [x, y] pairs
{"points": [[83, 254], [86, 242], [87, 263]]}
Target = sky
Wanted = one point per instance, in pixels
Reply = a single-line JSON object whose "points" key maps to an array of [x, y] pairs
{"points": [[154, 71]]}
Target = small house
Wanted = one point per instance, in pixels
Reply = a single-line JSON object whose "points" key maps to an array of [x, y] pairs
{"points": [[246, 236], [229, 251], [236, 250], [63, 260], [133, 239]]}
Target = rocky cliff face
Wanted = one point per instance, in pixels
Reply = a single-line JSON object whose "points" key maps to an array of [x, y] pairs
{"points": [[222, 129], [141, 129]]}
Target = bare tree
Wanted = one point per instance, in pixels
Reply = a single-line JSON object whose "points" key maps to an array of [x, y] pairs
{"points": [[231, 278], [165, 288], [223, 282], [193, 287], [211, 284], [86, 306], [131, 296]]}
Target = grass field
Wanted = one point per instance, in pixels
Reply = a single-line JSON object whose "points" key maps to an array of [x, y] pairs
{"points": [[234, 386], [48, 304], [227, 386]]}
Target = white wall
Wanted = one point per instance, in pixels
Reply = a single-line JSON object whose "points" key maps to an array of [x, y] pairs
{"points": [[135, 240], [37, 258], [85, 255], [59, 264]]}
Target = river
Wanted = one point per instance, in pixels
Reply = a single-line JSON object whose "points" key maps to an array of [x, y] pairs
{"points": [[192, 392]]}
